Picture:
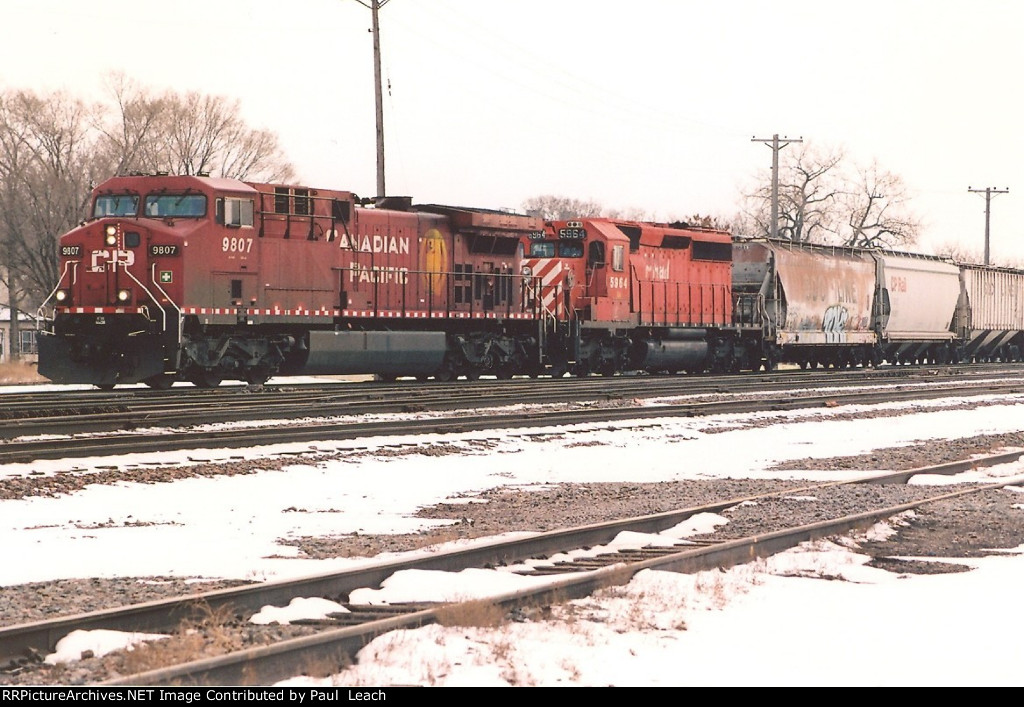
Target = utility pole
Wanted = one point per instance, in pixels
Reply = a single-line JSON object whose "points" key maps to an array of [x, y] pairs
{"points": [[988, 192], [776, 145], [374, 6]]}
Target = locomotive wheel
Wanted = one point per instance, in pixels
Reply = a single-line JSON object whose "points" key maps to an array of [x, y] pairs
{"points": [[105, 386], [444, 374], [160, 382]]}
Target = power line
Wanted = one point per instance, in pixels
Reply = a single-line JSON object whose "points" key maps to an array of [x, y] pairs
{"points": [[988, 192], [374, 6], [776, 145]]}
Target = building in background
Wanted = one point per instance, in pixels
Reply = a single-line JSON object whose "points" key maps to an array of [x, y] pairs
{"points": [[25, 346]]}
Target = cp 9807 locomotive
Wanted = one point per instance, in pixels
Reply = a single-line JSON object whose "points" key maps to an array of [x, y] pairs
{"points": [[204, 279]]}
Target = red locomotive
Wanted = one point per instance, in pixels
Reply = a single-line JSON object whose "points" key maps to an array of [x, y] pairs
{"points": [[205, 279], [640, 296]]}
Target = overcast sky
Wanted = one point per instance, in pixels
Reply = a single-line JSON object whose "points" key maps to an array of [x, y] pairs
{"points": [[635, 105]]}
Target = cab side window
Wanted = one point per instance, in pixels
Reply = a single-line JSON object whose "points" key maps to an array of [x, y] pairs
{"points": [[234, 212], [618, 258]]}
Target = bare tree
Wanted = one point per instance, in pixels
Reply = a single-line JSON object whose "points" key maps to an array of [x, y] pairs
{"points": [[808, 188], [55, 148], [47, 165], [707, 221], [877, 213], [255, 155], [130, 139], [188, 133], [634, 213], [822, 201], [557, 208], [958, 252], [204, 134]]}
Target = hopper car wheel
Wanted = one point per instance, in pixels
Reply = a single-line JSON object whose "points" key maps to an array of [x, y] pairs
{"points": [[558, 369], [160, 382], [206, 379], [257, 376], [444, 374], [105, 386]]}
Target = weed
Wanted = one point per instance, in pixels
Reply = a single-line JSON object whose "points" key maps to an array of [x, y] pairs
{"points": [[480, 613], [19, 373], [204, 635]]}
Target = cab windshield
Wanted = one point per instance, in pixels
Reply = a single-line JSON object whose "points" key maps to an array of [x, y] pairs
{"points": [[116, 205], [178, 205], [542, 249], [547, 249]]}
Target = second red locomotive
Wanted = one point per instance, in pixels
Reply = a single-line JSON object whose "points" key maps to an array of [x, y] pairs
{"points": [[640, 296]]}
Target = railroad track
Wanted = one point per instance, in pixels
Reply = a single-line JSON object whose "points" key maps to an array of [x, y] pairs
{"points": [[78, 411], [513, 417], [339, 640]]}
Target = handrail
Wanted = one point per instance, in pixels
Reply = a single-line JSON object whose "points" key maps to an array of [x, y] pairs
{"points": [[149, 294], [162, 291], [39, 312], [394, 289]]}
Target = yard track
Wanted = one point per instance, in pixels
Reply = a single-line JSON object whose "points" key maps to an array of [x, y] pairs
{"points": [[165, 424], [338, 642]]}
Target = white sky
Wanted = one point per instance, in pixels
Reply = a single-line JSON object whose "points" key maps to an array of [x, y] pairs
{"points": [[649, 106], [750, 625]]}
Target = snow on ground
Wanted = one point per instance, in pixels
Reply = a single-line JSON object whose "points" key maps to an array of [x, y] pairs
{"points": [[717, 628]]}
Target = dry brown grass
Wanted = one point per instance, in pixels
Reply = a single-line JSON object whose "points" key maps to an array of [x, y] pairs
{"points": [[202, 637], [14, 373], [480, 613]]}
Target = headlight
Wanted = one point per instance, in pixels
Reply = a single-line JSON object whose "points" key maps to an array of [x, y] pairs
{"points": [[527, 271], [111, 235], [124, 295], [62, 295]]}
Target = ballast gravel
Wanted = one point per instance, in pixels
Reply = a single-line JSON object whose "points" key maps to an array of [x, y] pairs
{"points": [[969, 526]]}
